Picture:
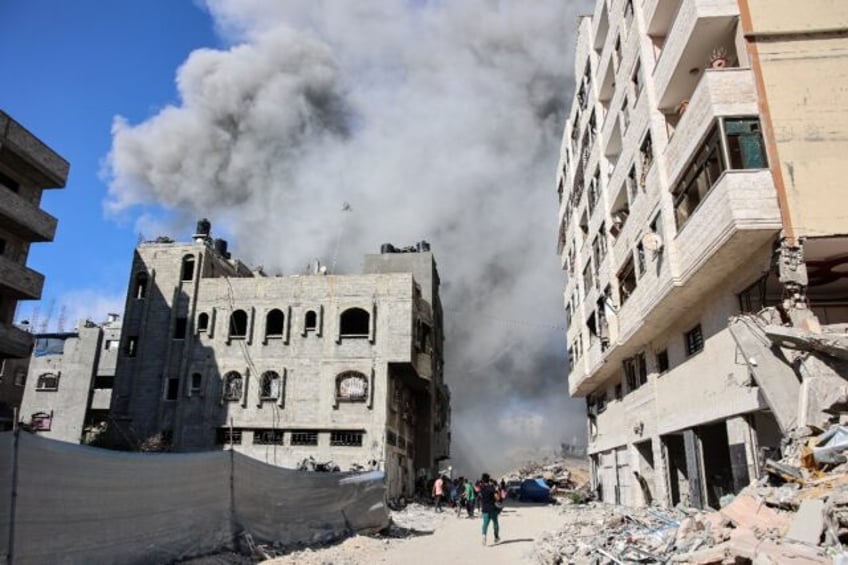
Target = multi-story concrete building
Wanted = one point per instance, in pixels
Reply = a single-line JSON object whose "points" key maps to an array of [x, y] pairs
{"points": [[701, 177], [27, 166], [345, 368], [69, 381]]}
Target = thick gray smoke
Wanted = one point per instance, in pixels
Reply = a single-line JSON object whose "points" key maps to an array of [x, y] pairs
{"points": [[433, 120]]}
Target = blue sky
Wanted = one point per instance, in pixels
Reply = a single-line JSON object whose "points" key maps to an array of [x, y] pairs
{"points": [[68, 69]]}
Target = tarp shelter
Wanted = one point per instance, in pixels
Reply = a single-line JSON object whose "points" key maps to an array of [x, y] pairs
{"points": [[534, 490]]}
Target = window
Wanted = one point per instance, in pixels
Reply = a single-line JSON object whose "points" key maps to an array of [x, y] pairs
{"points": [[646, 151], [355, 322], [745, 143], [227, 436], [698, 178], [275, 323], [351, 386], [47, 381], [269, 385], [754, 298], [233, 386], [594, 190], [110, 344], [311, 323], [346, 438], [694, 340], [267, 437], [196, 383], [238, 324], [636, 80], [172, 389], [630, 376], [618, 392], [423, 339], [188, 268], [626, 281], [131, 347], [104, 382], [640, 258], [625, 114], [3, 241], [180, 328], [642, 368], [391, 437], [9, 182], [203, 322], [616, 57], [304, 437], [662, 361], [41, 421], [632, 185], [140, 290], [588, 278], [20, 376], [599, 246]]}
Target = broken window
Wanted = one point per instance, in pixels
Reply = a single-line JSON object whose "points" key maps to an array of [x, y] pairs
{"points": [[47, 381], [188, 268], [131, 348], [698, 178], [238, 324], [745, 143], [754, 298], [626, 281], [275, 323], [172, 389], [646, 151], [140, 290], [180, 328], [304, 437], [351, 386], [311, 323], [203, 322], [588, 280], [196, 383], [267, 437], [346, 438], [662, 361], [694, 340], [642, 368], [228, 436], [620, 212], [636, 80], [269, 385], [233, 386], [354, 322]]}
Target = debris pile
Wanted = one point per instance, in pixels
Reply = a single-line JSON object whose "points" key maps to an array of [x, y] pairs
{"points": [[564, 474]]}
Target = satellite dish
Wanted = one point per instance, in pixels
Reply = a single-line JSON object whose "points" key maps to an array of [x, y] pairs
{"points": [[652, 242]]}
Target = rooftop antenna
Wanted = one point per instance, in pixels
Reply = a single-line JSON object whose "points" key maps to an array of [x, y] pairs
{"points": [[345, 208], [63, 311], [33, 319], [46, 322]]}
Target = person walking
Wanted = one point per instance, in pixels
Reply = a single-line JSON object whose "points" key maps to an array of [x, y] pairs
{"points": [[469, 499], [490, 499], [438, 492]]}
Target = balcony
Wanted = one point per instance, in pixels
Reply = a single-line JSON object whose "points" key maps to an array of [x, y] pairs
{"points": [[699, 28], [14, 342], [24, 219], [18, 281], [22, 151]]}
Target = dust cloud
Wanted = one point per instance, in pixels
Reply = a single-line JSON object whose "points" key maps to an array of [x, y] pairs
{"points": [[328, 128]]}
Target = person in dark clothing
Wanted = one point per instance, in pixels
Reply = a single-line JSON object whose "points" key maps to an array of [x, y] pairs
{"points": [[489, 501]]}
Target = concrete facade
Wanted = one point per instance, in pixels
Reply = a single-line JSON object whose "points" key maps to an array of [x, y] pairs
{"points": [[671, 209], [345, 368], [69, 382], [27, 167]]}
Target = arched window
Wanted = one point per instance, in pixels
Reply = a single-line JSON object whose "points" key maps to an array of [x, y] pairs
{"points": [[233, 386], [270, 385], [354, 323], [238, 324], [274, 323], [352, 386], [203, 322], [188, 268], [47, 381], [311, 323], [140, 290]]}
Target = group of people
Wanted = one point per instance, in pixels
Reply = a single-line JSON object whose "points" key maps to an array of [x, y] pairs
{"points": [[485, 496]]}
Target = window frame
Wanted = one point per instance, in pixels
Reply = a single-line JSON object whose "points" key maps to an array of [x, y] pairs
{"points": [[694, 340]]}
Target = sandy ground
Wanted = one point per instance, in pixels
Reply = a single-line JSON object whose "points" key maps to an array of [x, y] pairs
{"points": [[441, 538]]}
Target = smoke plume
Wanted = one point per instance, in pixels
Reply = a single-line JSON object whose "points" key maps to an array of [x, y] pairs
{"points": [[432, 120]]}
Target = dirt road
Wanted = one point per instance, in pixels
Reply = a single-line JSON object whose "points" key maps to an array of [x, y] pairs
{"points": [[441, 538]]}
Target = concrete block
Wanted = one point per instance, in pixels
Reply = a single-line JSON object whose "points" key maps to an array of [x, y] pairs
{"points": [[808, 524], [818, 397]]}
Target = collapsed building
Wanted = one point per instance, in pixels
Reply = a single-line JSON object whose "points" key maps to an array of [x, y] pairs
{"points": [[702, 228], [286, 369]]}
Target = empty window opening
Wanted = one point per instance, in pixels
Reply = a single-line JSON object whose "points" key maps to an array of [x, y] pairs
{"points": [[616, 55], [423, 342], [110, 344], [355, 322], [351, 386], [632, 185], [304, 437], [47, 381], [584, 222], [104, 382], [662, 361], [636, 79], [275, 323], [203, 322], [346, 438], [618, 392], [238, 324], [269, 385], [9, 182], [188, 268], [228, 436], [694, 340], [594, 190], [626, 281], [631, 375], [641, 368], [599, 246], [172, 389], [196, 383], [646, 151], [311, 323], [678, 475], [625, 114], [620, 212], [588, 278], [180, 328], [233, 386], [268, 437], [140, 290], [640, 258], [131, 348]]}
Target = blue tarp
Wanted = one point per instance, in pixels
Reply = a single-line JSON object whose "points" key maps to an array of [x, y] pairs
{"points": [[534, 490]]}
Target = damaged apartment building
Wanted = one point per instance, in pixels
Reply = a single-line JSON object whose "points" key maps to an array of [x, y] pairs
{"points": [[703, 232], [286, 369]]}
